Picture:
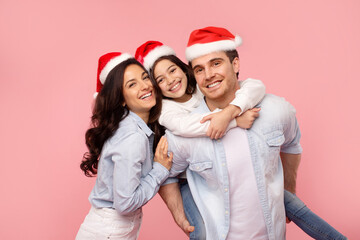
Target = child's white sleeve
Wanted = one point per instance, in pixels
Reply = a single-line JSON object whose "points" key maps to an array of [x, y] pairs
{"points": [[183, 123], [251, 92]]}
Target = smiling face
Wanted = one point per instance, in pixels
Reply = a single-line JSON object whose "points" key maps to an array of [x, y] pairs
{"points": [[216, 77], [138, 91], [172, 80]]}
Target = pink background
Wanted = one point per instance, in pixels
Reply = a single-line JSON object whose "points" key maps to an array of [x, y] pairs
{"points": [[307, 51]]}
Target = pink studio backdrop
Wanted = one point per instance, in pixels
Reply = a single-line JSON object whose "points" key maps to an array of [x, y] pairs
{"points": [[307, 51]]}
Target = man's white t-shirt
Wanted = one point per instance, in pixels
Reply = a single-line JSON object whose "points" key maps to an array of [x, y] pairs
{"points": [[246, 216]]}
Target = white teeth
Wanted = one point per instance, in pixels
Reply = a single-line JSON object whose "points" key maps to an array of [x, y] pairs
{"points": [[146, 95], [174, 86], [213, 85]]}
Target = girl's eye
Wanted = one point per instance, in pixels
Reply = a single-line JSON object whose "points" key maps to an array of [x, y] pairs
{"points": [[173, 70], [146, 77], [160, 80], [132, 85], [216, 63]]}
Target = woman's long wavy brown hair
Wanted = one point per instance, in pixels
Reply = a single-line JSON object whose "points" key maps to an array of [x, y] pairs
{"points": [[109, 111]]}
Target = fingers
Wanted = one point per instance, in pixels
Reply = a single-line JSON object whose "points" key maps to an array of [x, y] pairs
{"points": [[206, 118], [190, 229], [255, 109], [164, 147]]}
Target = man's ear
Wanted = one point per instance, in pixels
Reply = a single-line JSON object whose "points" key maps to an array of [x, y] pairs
{"points": [[236, 64]]}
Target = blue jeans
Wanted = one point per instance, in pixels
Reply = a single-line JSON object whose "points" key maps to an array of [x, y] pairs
{"points": [[308, 221], [192, 213], [295, 209]]}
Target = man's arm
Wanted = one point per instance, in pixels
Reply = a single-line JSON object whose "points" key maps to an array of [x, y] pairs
{"points": [[170, 194], [290, 164]]}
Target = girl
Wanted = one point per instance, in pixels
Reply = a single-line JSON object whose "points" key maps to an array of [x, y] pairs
{"points": [[120, 142], [178, 87]]}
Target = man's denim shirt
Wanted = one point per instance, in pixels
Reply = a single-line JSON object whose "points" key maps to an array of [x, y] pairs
{"points": [[275, 130], [127, 176]]}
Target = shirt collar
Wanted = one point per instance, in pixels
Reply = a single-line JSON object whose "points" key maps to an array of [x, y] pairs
{"points": [[141, 123], [203, 107]]}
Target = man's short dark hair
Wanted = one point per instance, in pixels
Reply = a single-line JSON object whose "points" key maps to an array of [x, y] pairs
{"points": [[232, 54]]}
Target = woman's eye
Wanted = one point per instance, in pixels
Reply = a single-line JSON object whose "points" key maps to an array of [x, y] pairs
{"points": [[146, 77], [160, 81], [216, 63], [173, 70], [132, 85]]}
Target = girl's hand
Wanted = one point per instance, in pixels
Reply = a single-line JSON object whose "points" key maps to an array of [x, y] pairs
{"points": [[247, 119], [219, 122], [161, 154]]}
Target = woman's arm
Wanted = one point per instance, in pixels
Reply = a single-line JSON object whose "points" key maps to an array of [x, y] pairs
{"points": [[131, 190]]}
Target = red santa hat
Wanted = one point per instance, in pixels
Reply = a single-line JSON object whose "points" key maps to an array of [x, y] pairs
{"points": [[106, 63], [210, 39], [151, 51]]}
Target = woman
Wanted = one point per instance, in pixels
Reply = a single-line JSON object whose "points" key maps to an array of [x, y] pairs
{"points": [[120, 142], [178, 87]]}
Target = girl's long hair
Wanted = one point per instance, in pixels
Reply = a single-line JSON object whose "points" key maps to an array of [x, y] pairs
{"points": [[108, 112]]}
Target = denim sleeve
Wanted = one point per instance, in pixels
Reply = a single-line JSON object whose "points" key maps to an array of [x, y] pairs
{"points": [[170, 180], [179, 147], [291, 132], [131, 190]]}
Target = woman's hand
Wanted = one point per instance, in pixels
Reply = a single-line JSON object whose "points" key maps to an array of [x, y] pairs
{"points": [[247, 119], [161, 154]]}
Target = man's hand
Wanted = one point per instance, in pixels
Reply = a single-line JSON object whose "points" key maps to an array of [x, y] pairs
{"points": [[185, 226], [171, 196]]}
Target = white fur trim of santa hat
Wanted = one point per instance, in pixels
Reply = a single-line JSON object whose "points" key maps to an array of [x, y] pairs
{"points": [[200, 49], [155, 54], [113, 63]]}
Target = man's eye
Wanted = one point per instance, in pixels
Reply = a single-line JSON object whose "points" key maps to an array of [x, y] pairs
{"points": [[198, 70]]}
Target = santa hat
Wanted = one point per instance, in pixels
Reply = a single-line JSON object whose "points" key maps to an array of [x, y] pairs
{"points": [[151, 51], [210, 39], [106, 63]]}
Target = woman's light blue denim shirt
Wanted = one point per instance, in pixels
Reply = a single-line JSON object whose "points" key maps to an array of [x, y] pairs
{"points": [[276, 129], [127, 176]]}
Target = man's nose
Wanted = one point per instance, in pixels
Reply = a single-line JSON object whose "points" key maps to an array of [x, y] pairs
{"points": [[209, 73]]}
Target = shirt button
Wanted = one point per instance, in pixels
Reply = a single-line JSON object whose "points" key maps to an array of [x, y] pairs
{"points": [[226, 189], [197, 168], [226, 212], [223, 164]]}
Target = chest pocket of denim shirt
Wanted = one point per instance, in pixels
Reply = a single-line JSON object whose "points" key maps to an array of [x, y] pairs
{"points": [[274, 140], [204, 169]]}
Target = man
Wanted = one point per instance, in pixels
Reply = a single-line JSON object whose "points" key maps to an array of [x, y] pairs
{"points": [[237, 182]]}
